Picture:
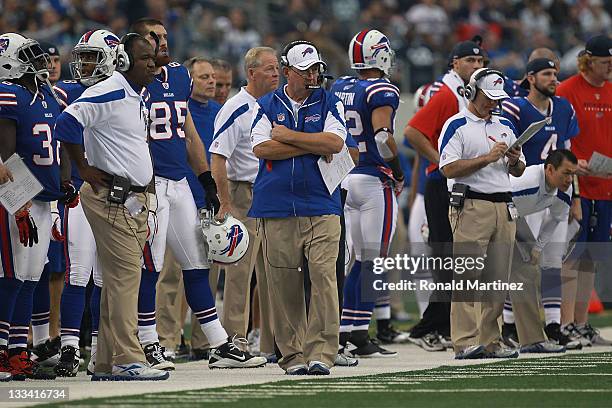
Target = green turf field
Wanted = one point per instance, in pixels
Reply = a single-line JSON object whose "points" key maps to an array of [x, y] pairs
{"points": [[573, 380]]}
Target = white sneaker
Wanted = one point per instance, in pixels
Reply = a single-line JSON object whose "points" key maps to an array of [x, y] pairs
{"points": [[91, 366], [253, 339], [137, 372]]}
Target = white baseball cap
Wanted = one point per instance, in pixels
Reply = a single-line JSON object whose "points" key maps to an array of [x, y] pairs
{"points": [[303, 56], [492, 86]]}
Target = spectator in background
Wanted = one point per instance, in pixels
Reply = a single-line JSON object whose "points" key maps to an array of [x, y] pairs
{"points": [[430, 21], [238, 38], [223, 77], [594, 18], [533, 18]]}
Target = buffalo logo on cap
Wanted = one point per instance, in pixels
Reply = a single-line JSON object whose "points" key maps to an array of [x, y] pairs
{"points": [[4, 43], [551, 64], [498, 81], [476, 51], [308, 50]]}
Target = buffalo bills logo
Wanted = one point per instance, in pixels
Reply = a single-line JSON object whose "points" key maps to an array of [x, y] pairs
{"points": [[498, 81], [383, 44], [313, 118], [307, 51], [4, 43], [235, 237], [111, 41]]}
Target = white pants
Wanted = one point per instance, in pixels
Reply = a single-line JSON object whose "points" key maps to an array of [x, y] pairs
{"points": [[80, 248], [16, 260], [176, 222], [371, 215]]}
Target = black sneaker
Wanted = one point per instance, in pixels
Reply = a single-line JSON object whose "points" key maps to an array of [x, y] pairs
{"points": [[428, 342], [229, 355], [554, 333], [371, 350], [593, 335], [154, 353], [68, 365], [46, 354], [510, 335], [391, 335]]}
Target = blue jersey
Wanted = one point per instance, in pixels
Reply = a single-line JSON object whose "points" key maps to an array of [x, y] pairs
{"points": [[169, 93], [361, 97], [68, 92], [36, 143], [563, 127], [203, 115]]}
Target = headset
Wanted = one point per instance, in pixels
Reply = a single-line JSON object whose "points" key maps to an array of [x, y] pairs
{"points": [[471, 89], [285, 62], [124, 58]]}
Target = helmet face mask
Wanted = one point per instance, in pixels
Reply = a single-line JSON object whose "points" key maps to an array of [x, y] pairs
{"points": [[371, 49], [21, 56], [100, 43]]}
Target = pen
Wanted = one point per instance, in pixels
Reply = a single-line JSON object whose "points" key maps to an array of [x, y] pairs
{"points": [[492, 138]]}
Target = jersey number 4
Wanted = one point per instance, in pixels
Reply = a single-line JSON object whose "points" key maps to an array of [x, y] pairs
{"points": [[162, 119]]}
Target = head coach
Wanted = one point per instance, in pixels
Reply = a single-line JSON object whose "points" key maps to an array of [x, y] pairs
{"points": [[292, 128], [111, 121], [472, 147]]}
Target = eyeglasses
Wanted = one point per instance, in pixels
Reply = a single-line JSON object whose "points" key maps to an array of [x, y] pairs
{"points": [[307, 73]]}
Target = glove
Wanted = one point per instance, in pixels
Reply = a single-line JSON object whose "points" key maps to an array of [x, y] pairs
{"points": [[28, 233], [210, 187], [71, 195], [395, 184], [56, 229]]}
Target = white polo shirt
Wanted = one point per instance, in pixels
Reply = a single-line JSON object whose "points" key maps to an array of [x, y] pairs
{"points": [[232, 137], [530, 196], [466, 136], [114, 119]]}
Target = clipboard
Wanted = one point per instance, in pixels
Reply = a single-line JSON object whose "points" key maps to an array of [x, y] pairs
{"points": [[530, 132]]}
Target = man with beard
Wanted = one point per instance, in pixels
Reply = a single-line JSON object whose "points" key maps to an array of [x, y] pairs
{"points": [[539, 104], [177, 150]]}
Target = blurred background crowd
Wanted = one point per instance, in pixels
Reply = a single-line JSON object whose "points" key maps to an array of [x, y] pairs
{"points": [[421, 31]]}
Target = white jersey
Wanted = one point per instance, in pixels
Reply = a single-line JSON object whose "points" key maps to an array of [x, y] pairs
{"points": [[232, 137], [531, 195]]}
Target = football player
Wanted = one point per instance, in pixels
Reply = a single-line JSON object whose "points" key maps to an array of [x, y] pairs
{"points": [[28, 112], [541, 103], [370, 102]]}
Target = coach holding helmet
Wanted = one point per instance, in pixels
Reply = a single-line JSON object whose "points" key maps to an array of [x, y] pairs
{"points": [[112, 120], [472, 147], [292, 128]]}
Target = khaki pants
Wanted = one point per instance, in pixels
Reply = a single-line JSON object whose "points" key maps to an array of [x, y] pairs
{"points": [[286, 241], [168, 302], [119, 242], [481, 228], [525, 303]]}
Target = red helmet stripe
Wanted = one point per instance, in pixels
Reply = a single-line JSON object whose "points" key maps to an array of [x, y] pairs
{"points": [[87, 35], [358, 47]]}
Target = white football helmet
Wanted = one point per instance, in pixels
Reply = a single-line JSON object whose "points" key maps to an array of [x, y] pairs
{"points": [[371, 49], [422, 96], [20, 55], [227, 240], [103, 44]]}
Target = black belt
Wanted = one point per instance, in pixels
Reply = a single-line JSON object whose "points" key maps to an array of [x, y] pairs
{"points": [[138, 189], [493, 197]]}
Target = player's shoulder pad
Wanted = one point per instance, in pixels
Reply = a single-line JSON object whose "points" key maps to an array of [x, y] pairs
{"points": [[9, 93], [512, 106], [380, 88]]}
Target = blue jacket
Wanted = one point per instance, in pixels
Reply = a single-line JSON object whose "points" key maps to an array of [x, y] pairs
{"points": [[294, 187]]}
